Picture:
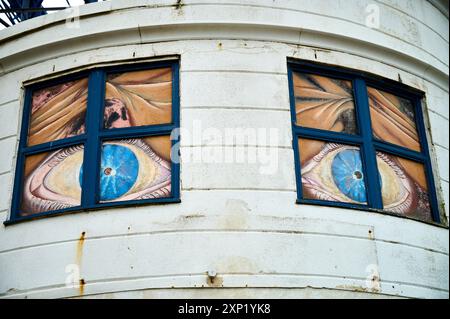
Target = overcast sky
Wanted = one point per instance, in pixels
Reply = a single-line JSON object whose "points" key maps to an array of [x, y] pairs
{"points": [[51, 3]]}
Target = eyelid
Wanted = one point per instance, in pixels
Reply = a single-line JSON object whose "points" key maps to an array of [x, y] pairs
{"points": [[325, 188], [35, 184], [409, 188], [309, 165]]}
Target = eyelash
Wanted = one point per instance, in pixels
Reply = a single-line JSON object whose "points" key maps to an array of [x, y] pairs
{"points": [[406, 204], [41, 204], [147, 150], [62, 154], [329, 147], [398, 171]]}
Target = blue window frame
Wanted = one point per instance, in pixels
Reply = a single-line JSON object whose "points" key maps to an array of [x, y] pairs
{"points": [[92, 138], [363, 139]]}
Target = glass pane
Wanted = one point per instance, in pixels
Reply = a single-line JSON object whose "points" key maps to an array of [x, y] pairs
{"points": [[332, 172], [324, 103], [52, 181], [404, 186], [58, 112], [393, 119], [138, 98], [133, 169]]}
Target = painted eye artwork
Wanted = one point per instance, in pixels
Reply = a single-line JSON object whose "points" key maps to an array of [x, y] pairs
{"points": [[58, 112], [51, 181], [334, 172], [130, 169], [393, 119], [404, 187], [324, 103]]}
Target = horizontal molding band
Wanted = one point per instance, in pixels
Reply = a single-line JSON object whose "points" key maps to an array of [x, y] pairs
{"points": [[219, 231], [421, 73], [237, 280], [62, 16]]}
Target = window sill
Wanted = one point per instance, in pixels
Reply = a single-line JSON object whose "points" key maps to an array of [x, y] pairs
{"points": [[97, 207]]}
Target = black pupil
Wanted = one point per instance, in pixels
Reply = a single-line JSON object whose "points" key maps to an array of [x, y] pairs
{"points": [[358, 174]]}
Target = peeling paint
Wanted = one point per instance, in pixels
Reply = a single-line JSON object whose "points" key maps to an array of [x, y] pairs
{"points": [[354, 288], [179, 4], [179, 7]]}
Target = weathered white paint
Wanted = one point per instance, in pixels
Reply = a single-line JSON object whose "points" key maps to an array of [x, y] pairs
{"points": [[244, 225]]}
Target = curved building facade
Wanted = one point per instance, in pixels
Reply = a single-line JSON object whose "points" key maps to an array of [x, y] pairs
{"points": [[236, 226]]}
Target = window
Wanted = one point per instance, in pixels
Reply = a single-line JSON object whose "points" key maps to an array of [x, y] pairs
{"points": [[359, 142], [96, 139]]}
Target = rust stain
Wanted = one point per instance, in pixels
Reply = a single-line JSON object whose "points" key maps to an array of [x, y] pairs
{"points": [[214, 281], [79, 259], [374, 286], [82, 283], [80, 245]]}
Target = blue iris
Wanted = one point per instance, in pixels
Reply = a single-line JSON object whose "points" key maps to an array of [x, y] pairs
{"points": [[348, 175], [118, 171]]}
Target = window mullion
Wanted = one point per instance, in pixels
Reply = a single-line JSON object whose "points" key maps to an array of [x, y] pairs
{"points": [[399, 151], [373, 187], [329, 136], [91, 161], [54, 145], [137, 131]]}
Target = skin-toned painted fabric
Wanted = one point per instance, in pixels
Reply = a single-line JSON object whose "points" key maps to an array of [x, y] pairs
{"points": [[324, 103], [393, 119], [140, 98], [58, 112]]}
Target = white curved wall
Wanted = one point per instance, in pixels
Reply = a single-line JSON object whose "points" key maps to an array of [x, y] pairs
{"points": [[244, 225]]}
